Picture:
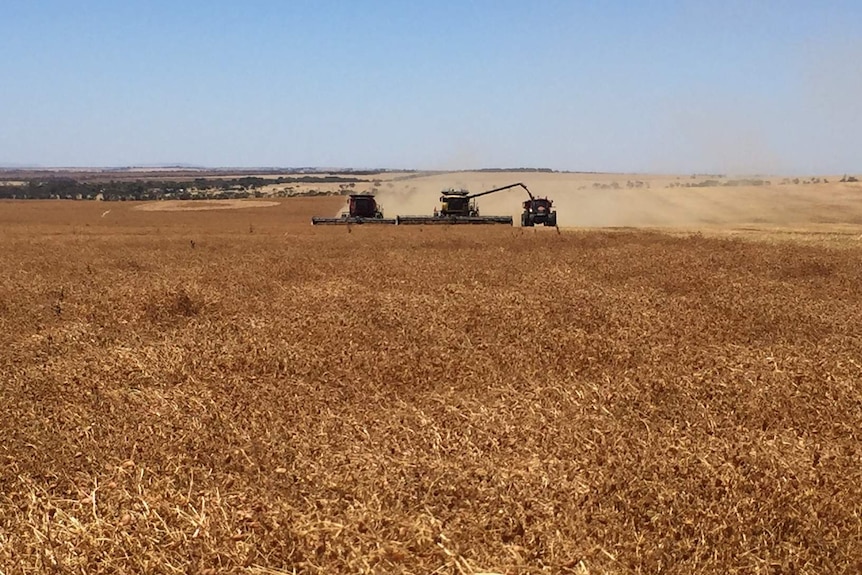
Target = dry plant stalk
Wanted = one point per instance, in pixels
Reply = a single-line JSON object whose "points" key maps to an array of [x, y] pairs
{"points": [[394, 400]]}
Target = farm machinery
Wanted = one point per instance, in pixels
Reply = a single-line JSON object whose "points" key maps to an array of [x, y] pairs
{"points": [[538, 211], [459, 207], [361, 209]]}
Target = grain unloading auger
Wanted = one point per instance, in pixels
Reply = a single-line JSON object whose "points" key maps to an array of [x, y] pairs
{"points": [[361, 209], [459, 207]]}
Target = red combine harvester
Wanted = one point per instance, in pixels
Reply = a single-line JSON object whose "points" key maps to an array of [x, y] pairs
{"points": [[361, 209]]}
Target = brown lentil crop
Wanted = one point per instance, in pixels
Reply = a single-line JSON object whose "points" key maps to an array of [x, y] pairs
{"points": [[240, 392]]}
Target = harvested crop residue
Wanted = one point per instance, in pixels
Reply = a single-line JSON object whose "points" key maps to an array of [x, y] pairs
{"points": [[202, 205], [227, 392]]}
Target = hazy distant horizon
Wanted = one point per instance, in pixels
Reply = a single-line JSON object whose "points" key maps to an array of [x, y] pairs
{"points": [[325, 169]]}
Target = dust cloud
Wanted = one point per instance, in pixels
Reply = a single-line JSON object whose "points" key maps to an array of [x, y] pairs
{"points": [[575, 207], [628, 200]]}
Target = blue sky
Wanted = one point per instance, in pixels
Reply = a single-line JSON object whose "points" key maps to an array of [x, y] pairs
{"points": [[661, 86]]}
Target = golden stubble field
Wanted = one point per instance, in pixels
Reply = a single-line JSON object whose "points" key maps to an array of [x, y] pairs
{"points": [[235, 391]]}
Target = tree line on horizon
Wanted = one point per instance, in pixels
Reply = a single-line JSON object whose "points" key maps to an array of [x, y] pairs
{"points": [[65, 188]]}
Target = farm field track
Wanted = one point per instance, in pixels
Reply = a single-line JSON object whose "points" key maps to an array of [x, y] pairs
{"points": [[236, 391]]}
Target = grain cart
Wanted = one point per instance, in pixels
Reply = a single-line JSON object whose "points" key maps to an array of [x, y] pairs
{"points": [[361, 209], [459, 207]]}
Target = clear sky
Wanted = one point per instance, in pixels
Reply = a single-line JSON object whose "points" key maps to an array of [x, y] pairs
{"points": [[658, 86]]}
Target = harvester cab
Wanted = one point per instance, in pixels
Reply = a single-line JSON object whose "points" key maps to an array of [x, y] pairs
{"points": [[361, 209], [457, 203], [363, 206]]}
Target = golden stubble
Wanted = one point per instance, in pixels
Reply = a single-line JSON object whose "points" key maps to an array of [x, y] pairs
{"points": [[238, 391]]}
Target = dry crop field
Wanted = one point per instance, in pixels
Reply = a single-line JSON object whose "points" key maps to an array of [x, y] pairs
{"points": [[236, 391]]}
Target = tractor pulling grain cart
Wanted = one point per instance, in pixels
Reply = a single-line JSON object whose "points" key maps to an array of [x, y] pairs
{"points": [[361, 209], [538, 211], [459, 207]]}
